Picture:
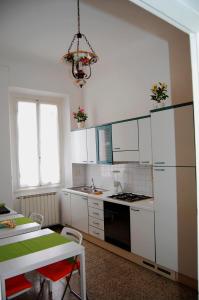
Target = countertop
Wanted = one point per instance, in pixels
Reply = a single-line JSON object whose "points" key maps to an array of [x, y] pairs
{"points": [[147, 204]]}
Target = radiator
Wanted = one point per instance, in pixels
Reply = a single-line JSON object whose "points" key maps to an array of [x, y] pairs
{"points": [[45, 204]]}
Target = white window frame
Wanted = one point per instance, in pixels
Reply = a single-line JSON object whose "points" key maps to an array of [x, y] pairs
{"points": [[14, 99]]}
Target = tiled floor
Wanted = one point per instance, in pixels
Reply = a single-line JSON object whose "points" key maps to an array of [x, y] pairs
{"points": [[110, 277]]}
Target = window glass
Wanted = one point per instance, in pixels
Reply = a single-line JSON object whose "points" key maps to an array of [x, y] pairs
{"points": [[38, 144], [49, 144], [27, 144]]}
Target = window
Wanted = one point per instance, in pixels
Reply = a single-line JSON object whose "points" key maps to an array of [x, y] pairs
{"points": [[37, 139]]}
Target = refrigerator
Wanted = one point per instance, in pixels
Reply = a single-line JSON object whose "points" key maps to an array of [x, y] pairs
{"points": [[174, 182]]}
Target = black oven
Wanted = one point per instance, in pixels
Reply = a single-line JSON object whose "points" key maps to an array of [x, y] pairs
{"points": [[117, 225]]}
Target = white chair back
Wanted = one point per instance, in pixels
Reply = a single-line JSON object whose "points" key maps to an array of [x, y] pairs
{"points": [[38, 218], [72, 234]]}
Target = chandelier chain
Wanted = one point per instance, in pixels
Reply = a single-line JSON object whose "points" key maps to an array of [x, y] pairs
{"points": [[78, 16], [88, 43], [71, 44]]}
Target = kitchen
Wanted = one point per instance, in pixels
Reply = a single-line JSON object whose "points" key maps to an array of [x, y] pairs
{"points": [[100, 111], [151, 235]]}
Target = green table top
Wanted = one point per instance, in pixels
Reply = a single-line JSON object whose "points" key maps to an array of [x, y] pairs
{"points": [[22, 220], [29, 246]]}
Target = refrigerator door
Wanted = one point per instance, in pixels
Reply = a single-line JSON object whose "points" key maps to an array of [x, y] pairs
{"points": [[165, 203], [176, 219]]}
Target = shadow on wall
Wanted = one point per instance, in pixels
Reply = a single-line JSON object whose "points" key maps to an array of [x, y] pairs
{"points": [[178, 42]]}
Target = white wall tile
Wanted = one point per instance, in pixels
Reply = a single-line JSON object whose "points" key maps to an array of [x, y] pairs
{"points": [[133, 177]]}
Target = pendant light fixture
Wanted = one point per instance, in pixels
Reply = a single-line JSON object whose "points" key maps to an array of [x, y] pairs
{"points": [[81, 60]]}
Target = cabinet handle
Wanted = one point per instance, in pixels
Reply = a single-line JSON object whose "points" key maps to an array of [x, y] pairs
{"points": [[135, 209], [85, 161], [159, 162], [91, 161], [85, 198], [66, 194], [145, 162], [159, 169], [116, 148], [96, 203], [94, 213]]}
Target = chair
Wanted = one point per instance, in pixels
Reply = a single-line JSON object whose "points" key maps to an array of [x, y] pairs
{"points": [[65, 268], [17, 285], [38, 218]]}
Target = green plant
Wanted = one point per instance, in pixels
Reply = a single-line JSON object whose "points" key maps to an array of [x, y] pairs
{"points": [[159, 92], [80, 116]]}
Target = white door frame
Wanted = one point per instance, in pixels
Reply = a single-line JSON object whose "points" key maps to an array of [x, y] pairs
{"points": [[186, 18]]}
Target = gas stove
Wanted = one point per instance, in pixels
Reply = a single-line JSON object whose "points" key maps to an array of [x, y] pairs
{"points": [[129, 197]]}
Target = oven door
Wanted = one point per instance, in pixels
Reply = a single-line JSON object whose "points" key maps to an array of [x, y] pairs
{"points": [[117, 224]]}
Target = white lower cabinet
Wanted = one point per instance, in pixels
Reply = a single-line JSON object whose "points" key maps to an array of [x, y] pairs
{"points": [[96, 217], [142, 233], [65, 208], [79, 212]]}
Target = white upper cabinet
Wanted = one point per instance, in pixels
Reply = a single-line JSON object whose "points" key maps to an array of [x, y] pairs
{"points": [[125, 136], [125, 141], [173, 137], [145, 151], [91, 145], [163, 138], [79, 147], [83, 146]]}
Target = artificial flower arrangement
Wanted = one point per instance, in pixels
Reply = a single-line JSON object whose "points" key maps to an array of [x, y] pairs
{"points": [[80, 116], [159, 92]]}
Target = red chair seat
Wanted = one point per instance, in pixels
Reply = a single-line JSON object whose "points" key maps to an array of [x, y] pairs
{"points": [[58, 270], [16, 285]]}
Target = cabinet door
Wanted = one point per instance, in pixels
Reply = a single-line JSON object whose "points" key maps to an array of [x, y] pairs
{"points": [[79, 210], [125, 136], [66, 208], [145, 151], [165, 202], [104, 144], [163, 138], [79, 148], [91, 146], [142, 233]]}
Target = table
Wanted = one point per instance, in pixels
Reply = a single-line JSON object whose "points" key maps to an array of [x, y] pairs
{"points": [[30, 262], [9, 217], [19, 229]]}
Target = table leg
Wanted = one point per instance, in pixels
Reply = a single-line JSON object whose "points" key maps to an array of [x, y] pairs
{"points": [[82, 275], [2, 289]]}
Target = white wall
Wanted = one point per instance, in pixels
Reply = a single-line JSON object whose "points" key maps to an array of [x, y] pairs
{"points": [[120, 87], [34, 77], [42, 76], [135, 50], [5, 163]]}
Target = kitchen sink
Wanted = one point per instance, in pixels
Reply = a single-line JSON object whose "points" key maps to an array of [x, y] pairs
{"points": [[87, 189]]}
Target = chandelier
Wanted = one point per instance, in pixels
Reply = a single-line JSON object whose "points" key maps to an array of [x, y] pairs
{"points": [[81, 60]]}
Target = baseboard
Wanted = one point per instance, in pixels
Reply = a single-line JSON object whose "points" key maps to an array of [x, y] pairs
{"points": [[193, 283]]}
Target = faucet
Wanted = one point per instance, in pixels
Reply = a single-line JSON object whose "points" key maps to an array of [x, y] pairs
{"points": [[93, 185]]}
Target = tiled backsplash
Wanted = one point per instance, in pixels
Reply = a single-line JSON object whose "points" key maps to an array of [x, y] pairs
{"points": [[133, 177]]}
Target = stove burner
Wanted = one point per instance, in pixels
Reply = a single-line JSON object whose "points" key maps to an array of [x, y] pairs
{"points": [[129, 197]]}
